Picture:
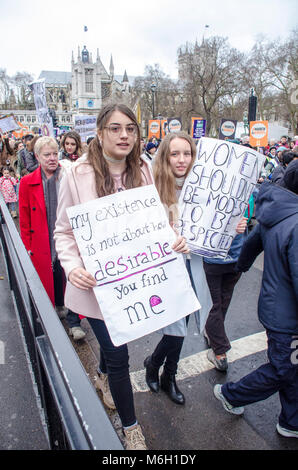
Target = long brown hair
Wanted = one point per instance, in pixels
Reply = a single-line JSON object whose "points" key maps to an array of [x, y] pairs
{"points": [[76, 137], [164, 178], [132, 177]]}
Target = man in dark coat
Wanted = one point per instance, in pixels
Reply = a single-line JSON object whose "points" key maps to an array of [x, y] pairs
{"points": [[277, 235]]}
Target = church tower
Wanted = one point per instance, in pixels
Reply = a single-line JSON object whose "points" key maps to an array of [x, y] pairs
{"points": [[88, 80]]}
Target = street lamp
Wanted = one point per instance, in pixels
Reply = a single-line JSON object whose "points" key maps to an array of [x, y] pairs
{"points": [[153, 89]]}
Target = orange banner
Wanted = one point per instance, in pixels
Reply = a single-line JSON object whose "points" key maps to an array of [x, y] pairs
{"points": [[154, 128], [258, 133]]}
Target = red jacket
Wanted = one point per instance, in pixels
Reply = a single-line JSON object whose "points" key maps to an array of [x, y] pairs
{"points": [[34, 228]]}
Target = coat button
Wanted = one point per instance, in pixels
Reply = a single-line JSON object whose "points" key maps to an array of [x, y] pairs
{"points": [[33, 208]]}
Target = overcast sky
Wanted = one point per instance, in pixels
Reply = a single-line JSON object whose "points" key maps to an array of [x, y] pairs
{"points": [[40, 35]]}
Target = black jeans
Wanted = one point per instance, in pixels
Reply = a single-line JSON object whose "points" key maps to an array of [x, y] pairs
{"points": [[221, 279], [72, 318], [114, 361]]}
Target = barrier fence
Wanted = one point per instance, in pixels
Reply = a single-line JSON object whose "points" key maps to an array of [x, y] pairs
{"points": [[74, 417]]}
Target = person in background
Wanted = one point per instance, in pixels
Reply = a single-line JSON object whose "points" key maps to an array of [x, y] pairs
{"points": [[283, 142], [31, 162], [150, 151], [8, 190], [277, 235], [6, 152], [278, 174], [37, 213], [71, 150]]}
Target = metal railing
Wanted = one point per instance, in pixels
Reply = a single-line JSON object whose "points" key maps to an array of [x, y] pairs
{"points": [[75, 417]]}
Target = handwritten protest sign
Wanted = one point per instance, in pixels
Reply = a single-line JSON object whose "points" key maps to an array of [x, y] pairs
{"points": [[44, 117], [7, 124], [215, 195], [125, 242], [85, 125]]}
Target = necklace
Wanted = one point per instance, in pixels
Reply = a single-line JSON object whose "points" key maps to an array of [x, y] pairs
{"points": [[180, 181], [112, 160]]}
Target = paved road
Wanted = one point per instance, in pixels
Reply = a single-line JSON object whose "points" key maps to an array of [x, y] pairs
{"points": [[199, 425]]}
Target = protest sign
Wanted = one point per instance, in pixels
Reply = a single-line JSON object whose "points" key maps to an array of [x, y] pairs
{"points": [[174, 124], [154, 128], [215, 195], [198, 127], [85, 125], [258, 133], [44, 117], [125, 242], [227, 129], [8, 124]]}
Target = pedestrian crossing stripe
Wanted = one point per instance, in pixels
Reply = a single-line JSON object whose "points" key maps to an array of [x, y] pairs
{"points": [[198, 363]]}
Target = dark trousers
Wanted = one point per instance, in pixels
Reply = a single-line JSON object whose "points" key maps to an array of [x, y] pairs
{"points": [[221, 279], [279, 375], [168, 352], [72, 318], [114, 359]]}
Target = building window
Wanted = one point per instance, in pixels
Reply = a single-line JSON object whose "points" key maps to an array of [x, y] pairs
{"points": [[89, 80], [28, 118], [22, 119], [33, 118]]}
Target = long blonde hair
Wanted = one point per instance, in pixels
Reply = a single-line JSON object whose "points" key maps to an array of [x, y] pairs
{"points": [[164, 178], [132, 177]]}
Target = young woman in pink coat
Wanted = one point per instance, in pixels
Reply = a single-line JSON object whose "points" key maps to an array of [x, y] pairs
{"points": [[112, 164]]}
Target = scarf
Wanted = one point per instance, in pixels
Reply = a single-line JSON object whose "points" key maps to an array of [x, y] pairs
{"points": [[50, 190]]}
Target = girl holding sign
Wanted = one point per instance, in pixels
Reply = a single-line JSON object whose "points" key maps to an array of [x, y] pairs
{"points": [[112, 164], [174, 160]]}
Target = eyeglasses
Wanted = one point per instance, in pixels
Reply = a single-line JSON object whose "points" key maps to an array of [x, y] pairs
{"points": [[115, 129]]}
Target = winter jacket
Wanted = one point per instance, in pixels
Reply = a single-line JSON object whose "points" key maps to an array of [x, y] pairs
{"points": [[277, 235], [34, 228], [8, 188]]}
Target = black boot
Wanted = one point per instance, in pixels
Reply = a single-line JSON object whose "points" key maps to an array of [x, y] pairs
{"points": [[168, 385], [152, 378]]}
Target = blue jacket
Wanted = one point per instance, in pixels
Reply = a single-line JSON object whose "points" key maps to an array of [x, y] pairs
{"points": [[277, 235]]}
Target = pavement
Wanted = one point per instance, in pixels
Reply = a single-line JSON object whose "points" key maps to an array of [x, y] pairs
{"points": [[202, 424]]}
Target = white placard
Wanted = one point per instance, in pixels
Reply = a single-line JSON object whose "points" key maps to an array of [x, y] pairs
{"points": [[85, 125], [125, 242], [7, 124], [40, 100], [215, 195]]}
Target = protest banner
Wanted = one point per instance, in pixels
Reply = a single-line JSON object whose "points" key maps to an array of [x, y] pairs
{"points": [[154, 128], [164, 128], [44, 117], [198, 127], [85, 125], [215, 195], [8, 124], [227, 129], [174, 124], [258, 133], [125, 242]]}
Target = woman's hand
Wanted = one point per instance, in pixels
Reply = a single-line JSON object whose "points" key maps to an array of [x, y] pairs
{"points": [[242, 225], [80, 278], [180, 245]]}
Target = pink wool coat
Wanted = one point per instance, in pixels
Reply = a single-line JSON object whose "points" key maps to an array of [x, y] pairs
{"points": [[78, 186], [7, 189]]}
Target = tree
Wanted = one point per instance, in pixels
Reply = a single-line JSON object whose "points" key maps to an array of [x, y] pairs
{"points": [[210, 75]]}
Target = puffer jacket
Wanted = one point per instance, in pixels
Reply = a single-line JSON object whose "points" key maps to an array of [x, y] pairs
{"points": [[277, 235]]}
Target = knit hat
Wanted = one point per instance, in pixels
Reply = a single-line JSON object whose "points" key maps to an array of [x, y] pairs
{"points": [[290, 179], [281, 149], [150, 146]]}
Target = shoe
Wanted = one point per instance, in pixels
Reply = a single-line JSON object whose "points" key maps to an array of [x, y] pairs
{"points": [[134, 438], [77, 333], [152, 377], [220, 364], [286, 432], [168, 385], [102, 384], [62, 312], [235, 410]]}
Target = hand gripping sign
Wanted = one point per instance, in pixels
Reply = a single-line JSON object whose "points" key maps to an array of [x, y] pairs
{"points": [[215, 195], [125, 242]]}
